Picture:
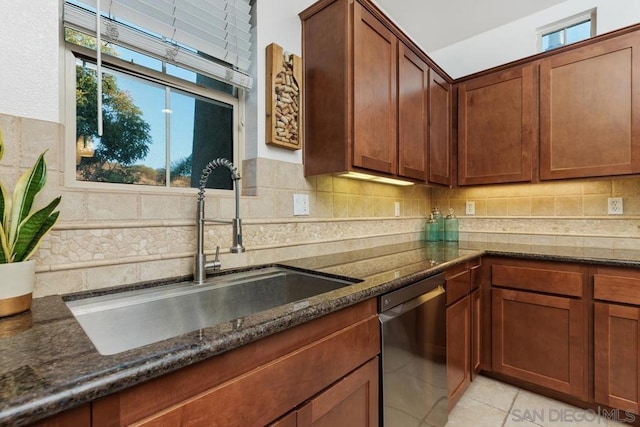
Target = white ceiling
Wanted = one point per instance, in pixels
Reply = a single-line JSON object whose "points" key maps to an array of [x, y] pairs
{"points": [[434, 24]]}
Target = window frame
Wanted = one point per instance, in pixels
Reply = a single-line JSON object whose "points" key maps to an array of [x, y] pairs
{"points": [[564, 24], [72, 52]]}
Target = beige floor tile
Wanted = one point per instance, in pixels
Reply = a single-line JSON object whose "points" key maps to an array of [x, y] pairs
{"points": [[411, 395], [492, 392], [490, 403], [469, 412], [516, 421], [552, 413], [395, 417]]}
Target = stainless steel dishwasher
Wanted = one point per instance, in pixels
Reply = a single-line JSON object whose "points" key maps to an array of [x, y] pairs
{"points": [[413, 389]]}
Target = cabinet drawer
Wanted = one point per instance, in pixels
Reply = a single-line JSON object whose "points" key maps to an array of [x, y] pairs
{"points": [[164, 394], [620, 289], [475, 274], [559, 282], [271, 390], [458, 286], [462, 279]]}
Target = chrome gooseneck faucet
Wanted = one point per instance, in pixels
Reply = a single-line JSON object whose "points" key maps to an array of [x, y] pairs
{"points": [[201, 264]]}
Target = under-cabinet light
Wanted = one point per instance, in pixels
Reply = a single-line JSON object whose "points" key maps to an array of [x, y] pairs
{"points": [[374, 178]]}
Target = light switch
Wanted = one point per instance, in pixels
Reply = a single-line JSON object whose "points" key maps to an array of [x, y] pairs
{"points": [[300, 204]]}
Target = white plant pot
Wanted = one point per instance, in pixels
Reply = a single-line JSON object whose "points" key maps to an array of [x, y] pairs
{"points": [[16, 286]]}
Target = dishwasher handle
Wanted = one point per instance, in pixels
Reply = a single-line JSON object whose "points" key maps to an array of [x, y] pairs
{"points": [[406, 306], [388, 301]]}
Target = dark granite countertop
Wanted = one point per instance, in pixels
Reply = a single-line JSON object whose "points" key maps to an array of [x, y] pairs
{"points": [[48, 364]]}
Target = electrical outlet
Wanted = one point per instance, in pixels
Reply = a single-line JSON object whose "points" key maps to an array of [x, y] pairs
{"points": [[615, 206], [470, 208], [300, 204], [397, 209]]}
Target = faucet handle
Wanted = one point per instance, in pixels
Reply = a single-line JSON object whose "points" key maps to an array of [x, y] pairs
{"points": [[216, 264]]}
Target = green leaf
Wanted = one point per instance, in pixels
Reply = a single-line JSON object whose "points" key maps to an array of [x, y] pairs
{"points": [[29, 184], [33, 229], [5, 207], [5, 252]]}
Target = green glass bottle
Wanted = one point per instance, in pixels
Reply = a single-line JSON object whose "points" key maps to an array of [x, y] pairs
{"points": [[451, 227], [440, 220], [431, 230]]}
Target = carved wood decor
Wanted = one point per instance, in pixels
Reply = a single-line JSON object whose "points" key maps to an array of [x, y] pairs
{"points": [[284, 99]]}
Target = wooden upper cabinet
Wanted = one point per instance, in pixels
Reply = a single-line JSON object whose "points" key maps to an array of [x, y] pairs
{"points": [[590, 110], [412, 114], [367, 89], [374, 93], [497, 116], [326, 100], [439, 129]]}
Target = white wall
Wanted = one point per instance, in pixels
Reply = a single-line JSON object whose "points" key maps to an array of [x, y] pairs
{"points": [[519, 38], [278, 22], [29, 79]]}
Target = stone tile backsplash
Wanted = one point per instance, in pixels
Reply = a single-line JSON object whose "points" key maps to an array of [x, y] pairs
{"points": [[108, 237], [112, 236], [563, 213]]}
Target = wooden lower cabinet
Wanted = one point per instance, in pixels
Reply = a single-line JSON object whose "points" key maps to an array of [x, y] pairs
{"points": [[617, 356], [462, 307], [330, 358], [351, 402], [476, 332], [616, 325], [76, 417], [540, 316], [540, 339], [458, 349]]}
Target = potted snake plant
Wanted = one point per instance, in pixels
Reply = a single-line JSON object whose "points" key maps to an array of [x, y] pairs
{"points": [[21, 231]]}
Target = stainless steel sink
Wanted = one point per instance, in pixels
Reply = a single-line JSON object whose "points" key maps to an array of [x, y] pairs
{"points": [[126, 320]]}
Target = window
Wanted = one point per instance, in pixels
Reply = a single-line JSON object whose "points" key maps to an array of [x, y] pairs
{"points": [[162, 120], [570, 30]]}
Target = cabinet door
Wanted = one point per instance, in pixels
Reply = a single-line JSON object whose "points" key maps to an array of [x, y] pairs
{"points": [[458, 349], [439, 129], [412, 114], [77, 417], [351, 402], [476, 333], [540, 339], [617, 360], [374, 94], [275, 388], [326, 82], [288, 420], [497, 116], [590, 110]]}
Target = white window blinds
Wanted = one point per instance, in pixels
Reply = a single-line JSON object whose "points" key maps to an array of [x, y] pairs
{"points": [[177, 31]]}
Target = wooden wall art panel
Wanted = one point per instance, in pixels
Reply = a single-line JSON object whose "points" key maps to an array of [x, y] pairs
{"points": [[284, 98]]}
